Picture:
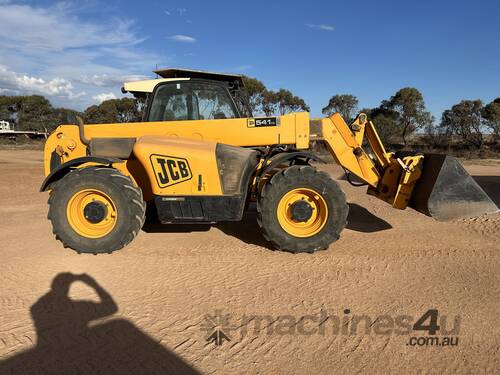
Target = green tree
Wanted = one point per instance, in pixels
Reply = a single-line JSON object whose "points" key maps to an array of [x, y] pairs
{"points": [[269, 100], [386, 123], [491, 116], [435, 136], [264, 101], [114, 111], [7, 105], [255, 90], [103, 113], [282, 102], [345, 104], [35, 113], [409, 105], [464, 119], [66, 116]]}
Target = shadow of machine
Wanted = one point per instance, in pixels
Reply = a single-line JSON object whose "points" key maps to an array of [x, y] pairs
{"points": [[362, 220], [491, 185]]}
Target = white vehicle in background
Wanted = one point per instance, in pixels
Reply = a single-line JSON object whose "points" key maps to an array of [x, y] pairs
{"points": [[5, 126], [7, 131]]}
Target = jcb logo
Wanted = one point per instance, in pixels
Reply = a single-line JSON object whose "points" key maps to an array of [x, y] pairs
{"points": [[170, 170]]}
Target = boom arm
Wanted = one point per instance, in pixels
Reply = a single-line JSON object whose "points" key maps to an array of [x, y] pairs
{"points": [[389, 178]]}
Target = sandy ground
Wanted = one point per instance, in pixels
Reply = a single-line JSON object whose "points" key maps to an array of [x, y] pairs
{"points": [[150, 307]]}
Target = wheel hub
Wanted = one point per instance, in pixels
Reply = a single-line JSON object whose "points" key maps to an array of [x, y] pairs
{"points": [[301, 211], [91, 213], [95, 212]]}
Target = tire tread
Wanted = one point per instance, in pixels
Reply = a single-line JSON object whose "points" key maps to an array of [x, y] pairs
{"points": [[122, 182], [271, 194]]}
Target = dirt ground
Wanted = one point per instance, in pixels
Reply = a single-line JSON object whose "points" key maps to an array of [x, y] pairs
{"points": [[150, 307]]}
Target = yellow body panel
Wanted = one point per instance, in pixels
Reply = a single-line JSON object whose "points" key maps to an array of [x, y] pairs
{"points": [[292, 129], [180, 166], [234, 132]]}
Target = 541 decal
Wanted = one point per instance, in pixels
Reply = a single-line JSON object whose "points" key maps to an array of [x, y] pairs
{"points": [[263, 121]]}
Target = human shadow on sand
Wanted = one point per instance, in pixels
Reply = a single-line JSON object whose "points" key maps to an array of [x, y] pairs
{"points": [[67, 342]]}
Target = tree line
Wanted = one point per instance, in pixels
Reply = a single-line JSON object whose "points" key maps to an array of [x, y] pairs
{"points": [[405, 113], [397, 119], [35, 112]]}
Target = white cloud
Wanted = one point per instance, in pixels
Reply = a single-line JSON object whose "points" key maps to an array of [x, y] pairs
{"points": [[107, 80], [181, 11], [61, 29], [183, 38], [320, 26], [167, 12], [16, 83], [54, 52], [103, 97]]}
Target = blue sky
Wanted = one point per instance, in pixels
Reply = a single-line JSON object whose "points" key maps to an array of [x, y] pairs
{"points": [[78, 53]]}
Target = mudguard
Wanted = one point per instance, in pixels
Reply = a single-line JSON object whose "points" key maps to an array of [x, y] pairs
{"points": [[61, 170], [286, 156]]}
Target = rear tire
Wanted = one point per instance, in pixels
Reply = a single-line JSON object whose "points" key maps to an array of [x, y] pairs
{"points": [[325, 210], [96, 210]]}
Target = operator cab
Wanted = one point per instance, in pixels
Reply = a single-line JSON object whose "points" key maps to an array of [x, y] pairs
{"points": [[182, 94]]}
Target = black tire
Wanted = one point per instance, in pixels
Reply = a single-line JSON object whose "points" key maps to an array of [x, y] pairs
{"points": [[125, 195], [301, 177]]}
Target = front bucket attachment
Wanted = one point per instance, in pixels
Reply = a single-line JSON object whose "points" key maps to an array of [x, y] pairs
{"points": [[446, 191]]}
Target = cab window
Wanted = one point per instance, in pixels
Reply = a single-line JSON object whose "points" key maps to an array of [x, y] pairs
{"points": [[191, 101]]}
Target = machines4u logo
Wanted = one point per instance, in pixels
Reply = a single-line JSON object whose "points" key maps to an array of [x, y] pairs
{"points": [[170, 170]]}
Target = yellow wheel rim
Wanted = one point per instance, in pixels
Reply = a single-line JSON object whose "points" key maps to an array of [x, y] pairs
{"points": [[91, 213], [310, 226]]}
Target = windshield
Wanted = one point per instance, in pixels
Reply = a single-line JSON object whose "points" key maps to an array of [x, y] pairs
{"points": [[191, 101]]}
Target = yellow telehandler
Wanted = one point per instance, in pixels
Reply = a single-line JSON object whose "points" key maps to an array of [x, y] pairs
{"points": [[200, 156]]}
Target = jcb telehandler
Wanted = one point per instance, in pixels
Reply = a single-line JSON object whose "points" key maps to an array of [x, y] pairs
{"points": [[200, 156]]}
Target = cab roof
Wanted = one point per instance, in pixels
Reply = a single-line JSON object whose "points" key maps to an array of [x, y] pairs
{"points": [[142, 88], [188, 73]]}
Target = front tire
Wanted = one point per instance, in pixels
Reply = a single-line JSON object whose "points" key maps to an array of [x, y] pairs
{"points": [[302, 210], [96, 210]]}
